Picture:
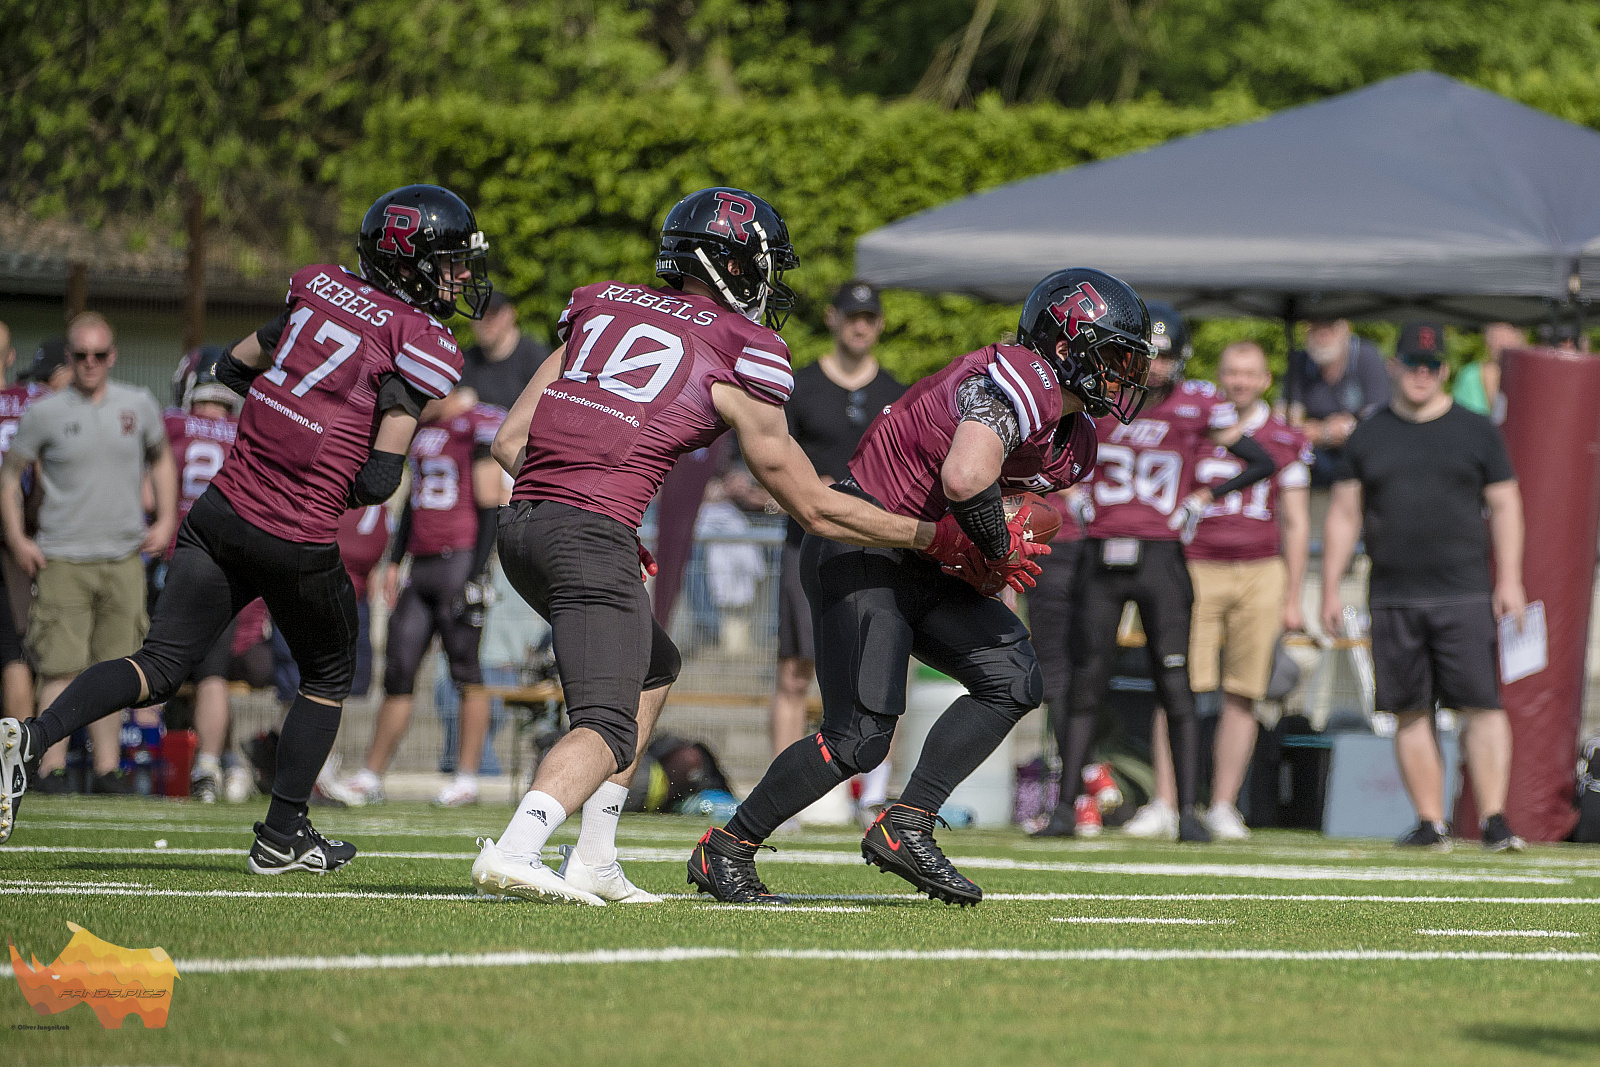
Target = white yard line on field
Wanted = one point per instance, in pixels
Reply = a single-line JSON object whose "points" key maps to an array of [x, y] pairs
{"points": [[1500, 933], [778, 907], [1139, 920], [187, 968], [51, 890]]}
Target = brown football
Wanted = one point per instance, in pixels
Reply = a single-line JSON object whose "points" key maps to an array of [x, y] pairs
{"points": [[1044, 521]]}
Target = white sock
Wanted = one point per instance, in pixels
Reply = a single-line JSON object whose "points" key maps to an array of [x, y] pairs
{"points": [[365, 779], [536, 819], [205, 764], [464, 778], [597, 836], [875, 785]]}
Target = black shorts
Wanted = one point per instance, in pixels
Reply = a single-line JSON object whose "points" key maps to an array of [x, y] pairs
{"points": [[580, 572], [1435, 650], [1050, 613], [795, 639], [219, 659], [1159, 584], [221, 564], [431, 604]]}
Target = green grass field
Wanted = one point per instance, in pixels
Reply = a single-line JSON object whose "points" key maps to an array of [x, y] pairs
{"points": [[1289, 949]]}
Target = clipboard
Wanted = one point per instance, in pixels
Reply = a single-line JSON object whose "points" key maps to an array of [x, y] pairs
{"points": [[1523, 652]]}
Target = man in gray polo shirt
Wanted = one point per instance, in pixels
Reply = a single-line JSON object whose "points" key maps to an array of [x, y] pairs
{"points": [[93, 441]]}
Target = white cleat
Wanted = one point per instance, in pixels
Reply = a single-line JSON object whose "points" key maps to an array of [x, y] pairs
{"points": [[1226, 824], [501, 874], [13, 773], [237, 785], [1155, 821], [607, 883], [357, 791], [457, 794]]}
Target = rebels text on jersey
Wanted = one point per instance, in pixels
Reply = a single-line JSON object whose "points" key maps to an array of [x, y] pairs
{"points": [[1146, 467], [899, 458], [1243, 525], [199, 447], [444, 509], [308, 423], [635, 393]]}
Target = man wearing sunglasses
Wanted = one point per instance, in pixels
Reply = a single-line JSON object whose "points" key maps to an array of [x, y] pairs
{"points": [[93, 441], [1417, 477]]}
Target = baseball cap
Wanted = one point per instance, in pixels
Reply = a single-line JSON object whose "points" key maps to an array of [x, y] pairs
{"points": [[51, 353], [855, 297], [1421, 344]]}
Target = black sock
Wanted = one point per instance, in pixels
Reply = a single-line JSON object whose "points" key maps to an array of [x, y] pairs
{"points": [[303, 746], [797, 779], [104, 689], [1183, 736], [964, 737]]}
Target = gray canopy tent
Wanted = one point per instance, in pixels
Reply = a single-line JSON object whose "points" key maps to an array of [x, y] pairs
{"points": [[1417, 196]]}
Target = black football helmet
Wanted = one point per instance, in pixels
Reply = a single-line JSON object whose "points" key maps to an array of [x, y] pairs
{"points": [[1107, 330], [736, 243], [422, 244], [1169, 335], [195, 380]]}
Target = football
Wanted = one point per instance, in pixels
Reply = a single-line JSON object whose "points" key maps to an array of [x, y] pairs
{"points": [[1044, 521]]}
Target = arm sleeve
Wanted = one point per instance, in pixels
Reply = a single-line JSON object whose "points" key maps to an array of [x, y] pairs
{"points": [[394, 391], [402, 536], [270, 334], [1258, 465], [981, 400], [488, 526]]}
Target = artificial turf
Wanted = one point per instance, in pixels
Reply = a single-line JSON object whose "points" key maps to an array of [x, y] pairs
{"points": [[863, 976]]}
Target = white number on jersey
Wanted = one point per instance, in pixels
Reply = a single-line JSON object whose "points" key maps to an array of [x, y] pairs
{"points": [[1151, 477], [1216, 471], [665, 359], [201, 462], [345, 341], [439, 486]]}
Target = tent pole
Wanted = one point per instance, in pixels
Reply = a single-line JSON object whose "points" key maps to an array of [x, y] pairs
{"points": [[1290, 398]]}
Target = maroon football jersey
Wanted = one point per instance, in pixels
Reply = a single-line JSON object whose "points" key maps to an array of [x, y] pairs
{"points": [[444, 512], [1146, 467], [1244, 524], [899, 458], [199, 447], [363, 536], [635, 393], [308, 423], [13, 402]]}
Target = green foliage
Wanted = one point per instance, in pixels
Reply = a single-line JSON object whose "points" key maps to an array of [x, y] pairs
{"points": [[575, 195]]}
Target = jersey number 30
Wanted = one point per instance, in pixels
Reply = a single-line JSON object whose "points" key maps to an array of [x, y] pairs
{"points": [[1150, 476]]}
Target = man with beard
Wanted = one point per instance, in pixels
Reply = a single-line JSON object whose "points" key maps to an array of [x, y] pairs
{"points": [[1336, 382]]}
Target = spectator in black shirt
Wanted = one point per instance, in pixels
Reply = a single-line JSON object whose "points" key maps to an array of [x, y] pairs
{"points": [[1336, 382], [833, 403], [1417, 478], [500, 365]]}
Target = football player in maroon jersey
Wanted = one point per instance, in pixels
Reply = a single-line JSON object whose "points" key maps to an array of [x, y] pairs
{"points": [[1138, 515], [333, 388], [201, 426], [14, 400], [447, 528], [1006, 417], [644, 375]]}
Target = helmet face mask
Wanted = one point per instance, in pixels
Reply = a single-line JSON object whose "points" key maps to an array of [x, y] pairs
{"points": [[421, 243], [737, 244], [1105, 330]]}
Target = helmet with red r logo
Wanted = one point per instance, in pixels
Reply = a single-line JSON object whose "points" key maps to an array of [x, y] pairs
{"points": [[421, 243], [1095, 332], [736, 243]]}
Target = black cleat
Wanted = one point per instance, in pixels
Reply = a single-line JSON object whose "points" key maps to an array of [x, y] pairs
{"points": [[54, 784], [304, 850], [204, 789], [1192, 828], [1434, 835], [901, 842], [1063, 823], [113, 784], [262, 753], [725, 867], [1495, 834], [18, 764]]}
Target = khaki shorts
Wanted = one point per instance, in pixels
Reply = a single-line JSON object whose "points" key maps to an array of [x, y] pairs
{"points": [[1238, 614], [86, 613]]}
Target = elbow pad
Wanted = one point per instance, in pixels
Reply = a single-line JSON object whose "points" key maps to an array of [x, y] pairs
{"points": [[377, 479], [1257, 465], [982, 518]]}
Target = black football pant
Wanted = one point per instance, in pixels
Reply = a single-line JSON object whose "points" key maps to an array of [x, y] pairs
{"points": [[221, 564], [1159, 585], [428, 606], [580, 571], [872, 609], [1050, 622]]}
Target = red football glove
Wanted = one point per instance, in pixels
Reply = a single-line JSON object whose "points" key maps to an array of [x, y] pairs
{"points": [[957, 555], [647, 564]]}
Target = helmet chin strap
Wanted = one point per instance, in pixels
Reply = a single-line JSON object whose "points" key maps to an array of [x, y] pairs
{"points": [[752, 310]]}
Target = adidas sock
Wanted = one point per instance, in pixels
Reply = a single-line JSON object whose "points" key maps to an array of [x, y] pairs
{"points": [[536, 819], [875, 785], [597, 835]]}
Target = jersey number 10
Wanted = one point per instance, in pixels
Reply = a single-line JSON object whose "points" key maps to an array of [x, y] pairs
{"points": [[665, 359]]}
